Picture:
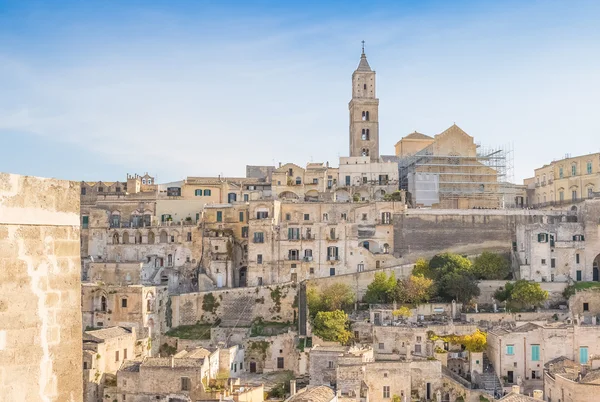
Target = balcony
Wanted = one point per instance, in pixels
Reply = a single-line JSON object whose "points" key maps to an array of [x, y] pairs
{"points": [[307, 259], [333, 258]]}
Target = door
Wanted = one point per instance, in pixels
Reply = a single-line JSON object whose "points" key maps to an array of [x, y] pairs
{"points": [[595, 274], [253, 367], [220, 280], [231, 198], [242, 283], [509, 377]]}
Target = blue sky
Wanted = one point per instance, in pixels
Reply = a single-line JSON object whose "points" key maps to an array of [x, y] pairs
{"points": [[95, 90]]}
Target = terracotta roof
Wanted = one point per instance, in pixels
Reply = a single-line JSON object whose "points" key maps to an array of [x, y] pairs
{"points": [[177, 362], [417, 136], [316, 394], [100, 335], [514, 397]]}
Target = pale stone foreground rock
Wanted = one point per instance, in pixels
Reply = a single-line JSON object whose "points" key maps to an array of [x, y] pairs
{"points": [[40, 290]]}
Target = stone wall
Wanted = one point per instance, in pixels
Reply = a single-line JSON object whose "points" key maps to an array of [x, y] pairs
{"points": [[40, 295], [236, 307], [424, 233]]}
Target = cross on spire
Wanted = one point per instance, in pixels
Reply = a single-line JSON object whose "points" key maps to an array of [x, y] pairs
{"points": [[363, 47]]}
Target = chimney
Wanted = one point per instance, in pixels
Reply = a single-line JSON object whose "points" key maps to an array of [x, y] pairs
{"points": [[538, 394], [516, 389], [292, 387], [172, 362]]}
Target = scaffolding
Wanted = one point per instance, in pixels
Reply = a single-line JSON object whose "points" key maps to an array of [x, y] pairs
{"points": [[480, 180]]}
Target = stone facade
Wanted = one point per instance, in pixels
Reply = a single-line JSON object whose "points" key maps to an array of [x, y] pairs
{"points": [[40, 316]]}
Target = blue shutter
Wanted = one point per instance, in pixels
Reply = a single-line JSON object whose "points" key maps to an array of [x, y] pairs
{"points": [[535, 353], [583, 355], [510, 350]]}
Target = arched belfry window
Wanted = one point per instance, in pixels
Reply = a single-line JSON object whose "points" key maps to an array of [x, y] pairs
{"points": [[365, 134], [365, 115], [365, 152]]}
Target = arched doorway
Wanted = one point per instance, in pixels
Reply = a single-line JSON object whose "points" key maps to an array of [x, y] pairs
{"points": [[596, 269], [243, 277]]}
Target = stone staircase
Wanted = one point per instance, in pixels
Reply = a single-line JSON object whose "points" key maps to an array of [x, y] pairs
{"points": [[237, 312], [489, 380]]}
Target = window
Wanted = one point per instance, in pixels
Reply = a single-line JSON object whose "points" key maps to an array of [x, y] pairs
{"points": [[419, 339], [198, 193], [344, 216], [219, 216], [325, 217], [510, 350], [386, 218], [347, 180], [332, 253], [386, 391], [535, 353], [577, 258], [259, 259], [364, 217], [574, 195], [259, 237], [85, 222], [553, 263], [242, 216], [288, 217], [85, 366], [365, 152], [365, 134], [590, 192], [280, 362], [381, 346], [245, 232], [100, 189], [589, 168], [170, 260], [262, 214], [189, 236], [315, 181], [293, 233], [298, 181], [542, 237], [311, 270], [306, 217], [124, 303], [332, 271], [293, 255], [365, 180], [578, 238], [117, 356], [543, 261], [259, 281], [560, 172], [173, 191], [586, 307], [330, 364], [206, 192], [124, 354], [583, 355], [308, 254], [332, 234], [360, 267], [578, 275], [308, 233], [186, 384], [83, 190], [561, 195]]}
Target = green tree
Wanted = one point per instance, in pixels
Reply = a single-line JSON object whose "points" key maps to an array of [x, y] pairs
{"points": [[381, 290], [459, 286], [395, 196], [491, 266], [522, 294], [332, 326], [414, 289], [443, 264], [422, 268], [403, 312], [338, 296]]}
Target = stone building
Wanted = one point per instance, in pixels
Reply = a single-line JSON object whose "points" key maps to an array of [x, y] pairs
{"points": [[518, 354], [449, 171], [40, 290], [566, 380], [324, 361], [565, 182], [560, 248], [312, 394], [104, 351], [145, 308]]}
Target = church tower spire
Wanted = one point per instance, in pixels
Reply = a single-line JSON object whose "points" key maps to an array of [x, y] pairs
{"points": [[364, 111]]}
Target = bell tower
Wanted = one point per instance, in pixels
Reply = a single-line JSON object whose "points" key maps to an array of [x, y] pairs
{"points": [[364, 111]]}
